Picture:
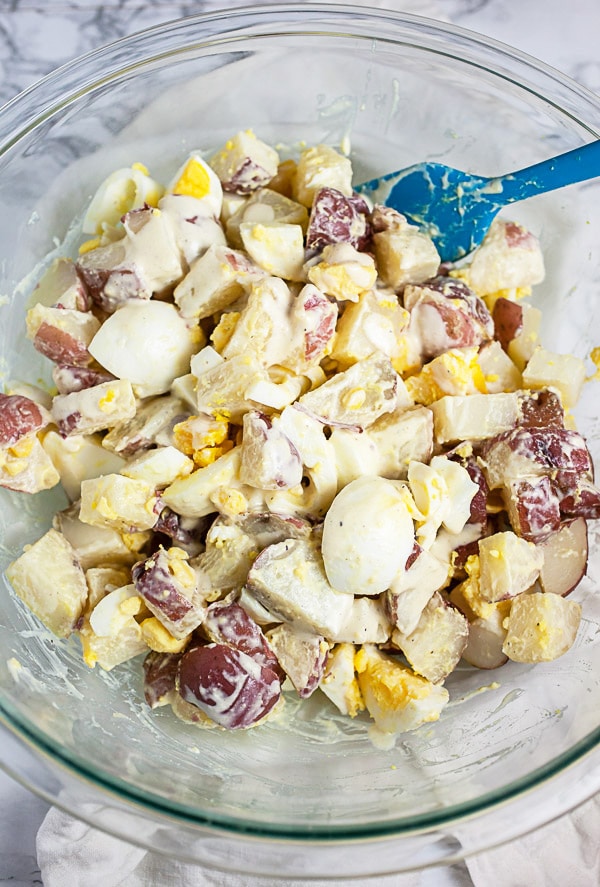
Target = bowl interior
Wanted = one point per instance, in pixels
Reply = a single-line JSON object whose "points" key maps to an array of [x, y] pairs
{"points": [[396, 90]]}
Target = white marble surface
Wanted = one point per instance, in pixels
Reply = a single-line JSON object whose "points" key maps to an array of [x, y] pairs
{"points": [[37, 36]]}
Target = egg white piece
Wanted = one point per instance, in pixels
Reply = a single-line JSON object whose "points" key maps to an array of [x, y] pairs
{"points": [[368, 535], [137, 330]]}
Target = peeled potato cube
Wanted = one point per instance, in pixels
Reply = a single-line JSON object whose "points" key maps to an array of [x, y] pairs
{"points": [[564, 372], [265, 206], [321, 167], [49, 580], [474, 416], [119, 502], [276, 247], [404, 255], [508, 566], [435, 646], [26, 467], [289, 579], [541, 627]]}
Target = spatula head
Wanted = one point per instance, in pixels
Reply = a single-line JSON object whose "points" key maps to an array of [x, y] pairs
{"points": [[456, 209]]}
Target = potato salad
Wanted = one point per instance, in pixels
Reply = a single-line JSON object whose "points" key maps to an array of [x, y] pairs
{"points": [[301, 455]]}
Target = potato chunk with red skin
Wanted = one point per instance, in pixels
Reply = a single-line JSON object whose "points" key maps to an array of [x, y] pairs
{"points": [[169, 588], [19, 417], [522, 452], [313, 325], [338, 218], [245, 163], [533, 507], [229, 686], [69, 378], [144, 262], [270, 461], [160, 676], [445, 314], [565, 557], [60, 286], [301, 655], [226, 622], [62, 334]]}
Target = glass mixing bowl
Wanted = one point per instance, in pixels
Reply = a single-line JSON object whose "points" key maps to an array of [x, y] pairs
{"points": [[309, 795]]}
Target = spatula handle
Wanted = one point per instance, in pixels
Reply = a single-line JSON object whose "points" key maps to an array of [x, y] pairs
{"points": [[566, 169]]}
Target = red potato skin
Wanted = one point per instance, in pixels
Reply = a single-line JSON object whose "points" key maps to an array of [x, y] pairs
{"points": [[226, 622], [227, 685], [68, 378], [160, 675], [335, 218], [321, 318], [60, 347], [508, 321], [19, 416], [155, 585], [542, 409], [536, 512]]}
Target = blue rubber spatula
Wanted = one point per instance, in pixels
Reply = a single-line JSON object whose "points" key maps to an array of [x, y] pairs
{"points": [[457, 208]]}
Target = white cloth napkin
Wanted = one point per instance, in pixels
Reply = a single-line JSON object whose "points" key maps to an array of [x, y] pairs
{"points": [[566, 852]]}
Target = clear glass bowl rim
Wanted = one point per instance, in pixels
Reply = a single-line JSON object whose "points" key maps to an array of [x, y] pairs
{"points": [[81, 76]]}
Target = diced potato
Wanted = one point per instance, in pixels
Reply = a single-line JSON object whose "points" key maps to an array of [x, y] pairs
{"points": [[541, 627], [26, 467], [159, 467], [356, 397], [95, 545], [245, 163], [474, 417], [564, 372], [214, 281], [405, 255], [276, 247], [508, 566], [321, 167], [289, 579], [49, 580], [262, 331], [118, 502], [223, 390], [435, 646], [191, 496], [302, 656], [94, 409], [374, 323], [509, 257], [499, 371], [265, 206]]}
